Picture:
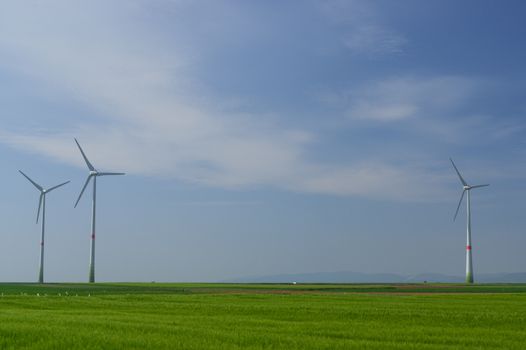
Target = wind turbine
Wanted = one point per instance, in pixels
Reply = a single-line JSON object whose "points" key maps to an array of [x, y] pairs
{"points": [[466, 188], [42, 205], [93, 173]]}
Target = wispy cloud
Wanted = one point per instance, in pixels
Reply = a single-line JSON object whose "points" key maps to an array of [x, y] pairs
{"points": [[152, 118], [373, 40], [362, 30], [447, 109], [397, 99]]}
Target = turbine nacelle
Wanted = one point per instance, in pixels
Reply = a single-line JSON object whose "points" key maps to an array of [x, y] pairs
{"points": [[465, 187], [92, 172], [43, 191]]}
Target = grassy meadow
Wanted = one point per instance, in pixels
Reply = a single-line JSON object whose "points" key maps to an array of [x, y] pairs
{"points": [[262, 316]]}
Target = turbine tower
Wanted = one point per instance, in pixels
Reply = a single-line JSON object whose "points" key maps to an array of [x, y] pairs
{"points": [[42, 205], [93, 173], [466, 188]]}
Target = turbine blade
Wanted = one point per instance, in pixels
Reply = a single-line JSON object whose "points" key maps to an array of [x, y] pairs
{"points": [[39, 206], [83, 189], [458, 173], [33, 182], [103, 174], [90, 167], [477, 186], [57, 186], [459, 203]]}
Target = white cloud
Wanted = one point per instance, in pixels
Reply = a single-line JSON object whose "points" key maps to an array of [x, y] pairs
{"points": [[397, 99], [363, 32], [386, 112], [373, 40], [156, 122], [379, 180]]}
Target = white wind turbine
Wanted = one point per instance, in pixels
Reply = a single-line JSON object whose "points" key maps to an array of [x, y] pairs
{"points": [[467, 188], [42, 205], [92, 174]]}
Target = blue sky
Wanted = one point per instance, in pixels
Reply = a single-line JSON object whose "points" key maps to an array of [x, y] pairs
{"points": [[262, 137]]}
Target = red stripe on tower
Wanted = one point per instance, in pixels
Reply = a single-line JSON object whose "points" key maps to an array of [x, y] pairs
{"points": [[468, 247]]}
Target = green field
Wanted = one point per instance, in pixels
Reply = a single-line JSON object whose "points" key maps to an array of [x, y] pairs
{"points": [[262, 316]]}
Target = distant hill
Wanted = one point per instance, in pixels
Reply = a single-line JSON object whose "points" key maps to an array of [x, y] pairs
{"points": [[519, 277], [358, 277]]}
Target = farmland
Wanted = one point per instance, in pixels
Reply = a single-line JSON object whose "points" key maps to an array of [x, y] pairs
{"points": [[262, 316]]}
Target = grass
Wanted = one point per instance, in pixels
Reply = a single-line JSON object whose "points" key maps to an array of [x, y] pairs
{"points": [[262, 316]]}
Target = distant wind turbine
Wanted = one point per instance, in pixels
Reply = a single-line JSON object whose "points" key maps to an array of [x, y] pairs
{"points": [[93, 173], [42, 205], [466, 188]]}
